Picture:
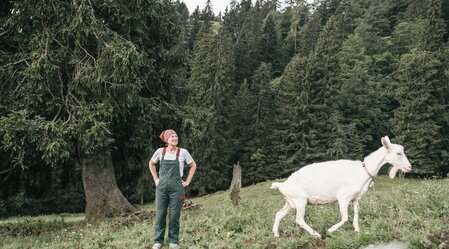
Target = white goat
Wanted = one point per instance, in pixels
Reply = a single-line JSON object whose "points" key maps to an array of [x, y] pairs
{"points": [[343, 181]]}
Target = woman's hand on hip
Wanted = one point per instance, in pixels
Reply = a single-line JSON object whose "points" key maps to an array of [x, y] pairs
{"points": [[185, 183], [156, 182]]}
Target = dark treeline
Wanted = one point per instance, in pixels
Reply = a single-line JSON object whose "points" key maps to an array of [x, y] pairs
{"points": [[86, 86]]}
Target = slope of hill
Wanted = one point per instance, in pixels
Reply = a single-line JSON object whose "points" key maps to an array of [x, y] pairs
{"points": [[411, 211]]}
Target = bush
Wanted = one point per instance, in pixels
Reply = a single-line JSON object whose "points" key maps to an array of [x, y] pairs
{"points": [[56, 201]]}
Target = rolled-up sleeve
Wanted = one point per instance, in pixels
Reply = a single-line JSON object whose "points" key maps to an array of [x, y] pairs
{"points": [[188, 157]]}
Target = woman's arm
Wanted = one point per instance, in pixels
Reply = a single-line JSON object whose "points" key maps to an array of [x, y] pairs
{"points": [[192, 170], [154, 172]]}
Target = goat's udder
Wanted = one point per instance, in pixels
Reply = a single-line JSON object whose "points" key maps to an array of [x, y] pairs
{"points": [[316, 201]]}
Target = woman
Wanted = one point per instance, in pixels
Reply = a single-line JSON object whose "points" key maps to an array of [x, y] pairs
{"points": [[170, 186]]}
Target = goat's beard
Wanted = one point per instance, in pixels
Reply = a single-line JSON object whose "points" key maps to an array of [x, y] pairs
{"points": [[393, 171]]}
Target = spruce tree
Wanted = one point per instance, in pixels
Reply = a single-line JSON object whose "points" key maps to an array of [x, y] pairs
{"points": [[242, 122], [435, 29], [182, 12], [299, 17], [373, 34], [194, 23], [260, 126], [307, 38], [84, 84], [414, 123], [333, 134], [322, 68], [270, 51], [211, 90], [246, 48], [419, 122], [207, 15], [360, 114], [230, 19], [292, 136]]}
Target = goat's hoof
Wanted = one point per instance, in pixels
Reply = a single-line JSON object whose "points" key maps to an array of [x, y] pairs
{"points": [[317, 236], [276, 235]]}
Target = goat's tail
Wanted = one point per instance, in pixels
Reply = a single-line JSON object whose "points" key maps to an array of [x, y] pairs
{"points": [[275, 185]]}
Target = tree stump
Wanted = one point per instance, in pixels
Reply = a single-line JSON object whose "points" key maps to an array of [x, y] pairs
{"points": [[236, 184]]}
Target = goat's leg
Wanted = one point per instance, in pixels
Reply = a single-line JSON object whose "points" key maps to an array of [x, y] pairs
{"points": [[279, 215], [343, 204], [300, 211], [355, 222]]}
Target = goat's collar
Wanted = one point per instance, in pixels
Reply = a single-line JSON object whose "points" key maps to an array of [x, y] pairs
{"points": [[364, 167]]}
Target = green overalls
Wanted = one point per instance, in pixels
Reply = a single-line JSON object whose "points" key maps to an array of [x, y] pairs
{"points": [[169, 194]]}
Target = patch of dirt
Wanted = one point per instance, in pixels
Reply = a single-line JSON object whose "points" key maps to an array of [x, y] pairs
{"points": [[189, 205], [146, 214], [442, 240], [250, 241], [138, 216]]}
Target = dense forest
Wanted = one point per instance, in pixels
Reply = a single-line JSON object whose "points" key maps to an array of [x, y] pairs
{"points": [[86, 87]]}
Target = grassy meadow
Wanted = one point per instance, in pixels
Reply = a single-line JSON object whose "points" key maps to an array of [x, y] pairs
{"points": [[415, 212]]}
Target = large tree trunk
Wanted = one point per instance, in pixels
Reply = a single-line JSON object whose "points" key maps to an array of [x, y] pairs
{"points": [[103, 197]]}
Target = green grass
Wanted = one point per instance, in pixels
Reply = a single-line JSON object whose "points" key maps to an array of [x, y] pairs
{"points": [[414, 212]]}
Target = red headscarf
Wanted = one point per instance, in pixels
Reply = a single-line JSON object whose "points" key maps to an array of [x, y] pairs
{"points": [[166, 134]]}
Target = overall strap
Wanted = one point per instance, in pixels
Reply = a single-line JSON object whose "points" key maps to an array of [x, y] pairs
{"points": [[178, 151], [164, 150], [163, 153]]}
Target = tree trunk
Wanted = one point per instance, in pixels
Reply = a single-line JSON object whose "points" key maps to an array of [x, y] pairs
{"points": [[236, 184], [103, 197]]}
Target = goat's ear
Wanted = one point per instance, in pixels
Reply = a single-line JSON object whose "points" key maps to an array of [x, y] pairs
{"points": [[386, 142]]}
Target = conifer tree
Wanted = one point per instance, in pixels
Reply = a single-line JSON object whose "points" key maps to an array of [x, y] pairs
{"points": [[211, 90], [323, 86], [435, 28], [241, 121], [219, 17], [246, 48], [248, 42], [325, 9], [375, 27], [207, 15], [194, 23], [292, 135], [418, 122], [84, 84], [230, 19], [299, 17], [245, 8], [260, 126], [307, 38], [380, 59], [360, 114], [182, 11], [414, 123], [270, 46]]}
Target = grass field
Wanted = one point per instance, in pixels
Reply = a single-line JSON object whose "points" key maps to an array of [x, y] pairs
{"points": [[415, 212]]}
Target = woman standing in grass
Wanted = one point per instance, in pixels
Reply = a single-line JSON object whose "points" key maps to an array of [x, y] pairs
{"points": [[170, 192]]}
